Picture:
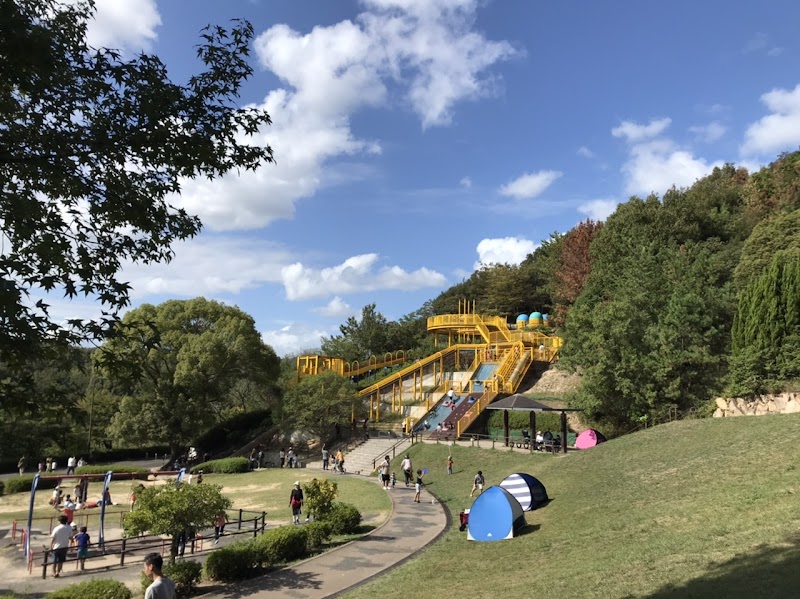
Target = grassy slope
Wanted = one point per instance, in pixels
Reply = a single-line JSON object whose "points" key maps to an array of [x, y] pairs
{"points": [[705, 508]]}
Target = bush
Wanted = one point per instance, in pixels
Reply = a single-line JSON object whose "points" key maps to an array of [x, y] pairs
{"points": [[223, 466], [115, 469], [319, 496], [93, 589], [185, 574], [343, 519], [2, 487], [283, 544], [235, 562], [22, 484], [318, 533]]}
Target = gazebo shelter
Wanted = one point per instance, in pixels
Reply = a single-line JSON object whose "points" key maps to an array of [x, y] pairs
{"points": [[520, 403]]}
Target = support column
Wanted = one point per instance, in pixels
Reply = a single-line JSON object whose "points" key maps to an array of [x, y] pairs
{"points": [[505, 427], [564, 432]]}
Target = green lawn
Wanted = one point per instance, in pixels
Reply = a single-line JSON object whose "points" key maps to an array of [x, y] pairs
{"points": [[702, 508], [266, 490]]}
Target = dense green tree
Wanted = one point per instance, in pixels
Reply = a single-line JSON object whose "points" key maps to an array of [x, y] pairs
{"points": [[316, 403], [773, 234], [370, 335], [766, 332], [774, 189], [173, 509], [652, 326], [93, 147], [177, 364]]}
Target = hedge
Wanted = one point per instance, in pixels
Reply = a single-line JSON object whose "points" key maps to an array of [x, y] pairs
{"points": [[244, 558], [282, 544], [319, 533], [116, 470], [236, 561], [223, 466], [185, 574], [518, 421], [343, 519], [22, 484], [93, 589]]}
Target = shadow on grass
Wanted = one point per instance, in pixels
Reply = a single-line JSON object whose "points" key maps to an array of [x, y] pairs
{"points": [[527, 529], [765, 571]]}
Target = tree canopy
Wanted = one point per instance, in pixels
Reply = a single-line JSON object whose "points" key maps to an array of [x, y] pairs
{"points": [[94, 147], [178, 365], [316, 403]]}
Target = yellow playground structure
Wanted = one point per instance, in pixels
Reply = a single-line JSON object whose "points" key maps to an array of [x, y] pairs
{"points": [[480, 358]]}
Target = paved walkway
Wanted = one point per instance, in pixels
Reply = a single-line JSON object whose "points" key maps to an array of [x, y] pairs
{"points": [[410, 528]]}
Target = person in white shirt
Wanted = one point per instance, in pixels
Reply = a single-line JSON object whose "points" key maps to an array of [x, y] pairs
{"points": [[59, 543], [71, 465], [162, 587], [408, 469]]}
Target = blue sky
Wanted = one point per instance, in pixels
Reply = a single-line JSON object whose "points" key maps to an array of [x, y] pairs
{"points": [[415, 139]]}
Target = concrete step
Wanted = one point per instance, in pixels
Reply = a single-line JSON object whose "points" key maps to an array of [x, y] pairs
{"points": [[361, 458]]}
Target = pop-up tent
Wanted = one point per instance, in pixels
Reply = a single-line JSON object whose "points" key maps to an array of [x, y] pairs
{"points": [[527, 490], [495, 515], [589, 438]]}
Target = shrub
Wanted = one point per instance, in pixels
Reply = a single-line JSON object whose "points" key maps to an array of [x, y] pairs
{"points": [[223, 466], [318, 533], [235, 562], [93, 589], [22, 484], [185, 574], [545, 421], [283, 544], [116, 470], [343, 519], [2, 487], [319, 496]]}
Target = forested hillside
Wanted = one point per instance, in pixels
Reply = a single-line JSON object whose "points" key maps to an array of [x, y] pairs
{"points": [[670, 301]]}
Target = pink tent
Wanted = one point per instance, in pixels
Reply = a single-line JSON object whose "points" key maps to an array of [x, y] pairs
{"points": [[589, 438]]}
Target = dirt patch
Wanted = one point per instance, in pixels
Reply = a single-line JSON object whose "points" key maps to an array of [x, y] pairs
{"points": [[555, 382], [261, 487]]}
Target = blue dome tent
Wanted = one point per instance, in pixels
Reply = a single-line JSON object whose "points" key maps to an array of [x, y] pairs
{"points": [[495, 515], [526, 489]]}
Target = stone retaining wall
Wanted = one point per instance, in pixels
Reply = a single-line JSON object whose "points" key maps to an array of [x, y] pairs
{"points": [[784, 403]]}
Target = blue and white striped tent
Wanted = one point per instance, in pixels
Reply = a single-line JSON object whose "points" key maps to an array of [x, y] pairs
{"points": [[526, 489]]}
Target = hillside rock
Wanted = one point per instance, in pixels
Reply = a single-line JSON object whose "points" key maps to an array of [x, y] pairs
{"points": [[555, 382], [783, 403]]}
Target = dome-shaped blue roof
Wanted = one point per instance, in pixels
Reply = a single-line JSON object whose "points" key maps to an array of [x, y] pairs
{"points": [[536, 316], [522, 317], [545, 316]]}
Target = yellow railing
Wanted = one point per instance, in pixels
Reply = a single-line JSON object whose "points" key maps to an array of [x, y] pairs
{"points": [[471, 414], [310, 365]]}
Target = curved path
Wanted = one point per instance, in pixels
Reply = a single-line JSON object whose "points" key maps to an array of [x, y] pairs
{"points": [[409, 529]]}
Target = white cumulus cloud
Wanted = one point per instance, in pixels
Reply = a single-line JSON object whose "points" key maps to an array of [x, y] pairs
{"points": [[634, 132], [294, 337], [780, 129], [335, 308], [585, 152], [123, 24], [429, 51], [356, 274], [599, 209], [529, 185], [209, 265], [504, 250], [465, 182]]}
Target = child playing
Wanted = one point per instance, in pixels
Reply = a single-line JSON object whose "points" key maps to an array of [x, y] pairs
{"points": [[477, 484], [418, 486], [393, 479], [449, 464], [82, 541]]}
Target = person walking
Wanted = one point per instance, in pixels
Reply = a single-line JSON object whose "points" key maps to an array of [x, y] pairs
{"points": [[296, 502], [477, 483], [408, 469], [71, 464], [386, 475], [82, 542], [340, 461], [162, 587], [325, 457], [449, 464], [22, 464], [282, 457], [59, 544], [220, 520]]}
